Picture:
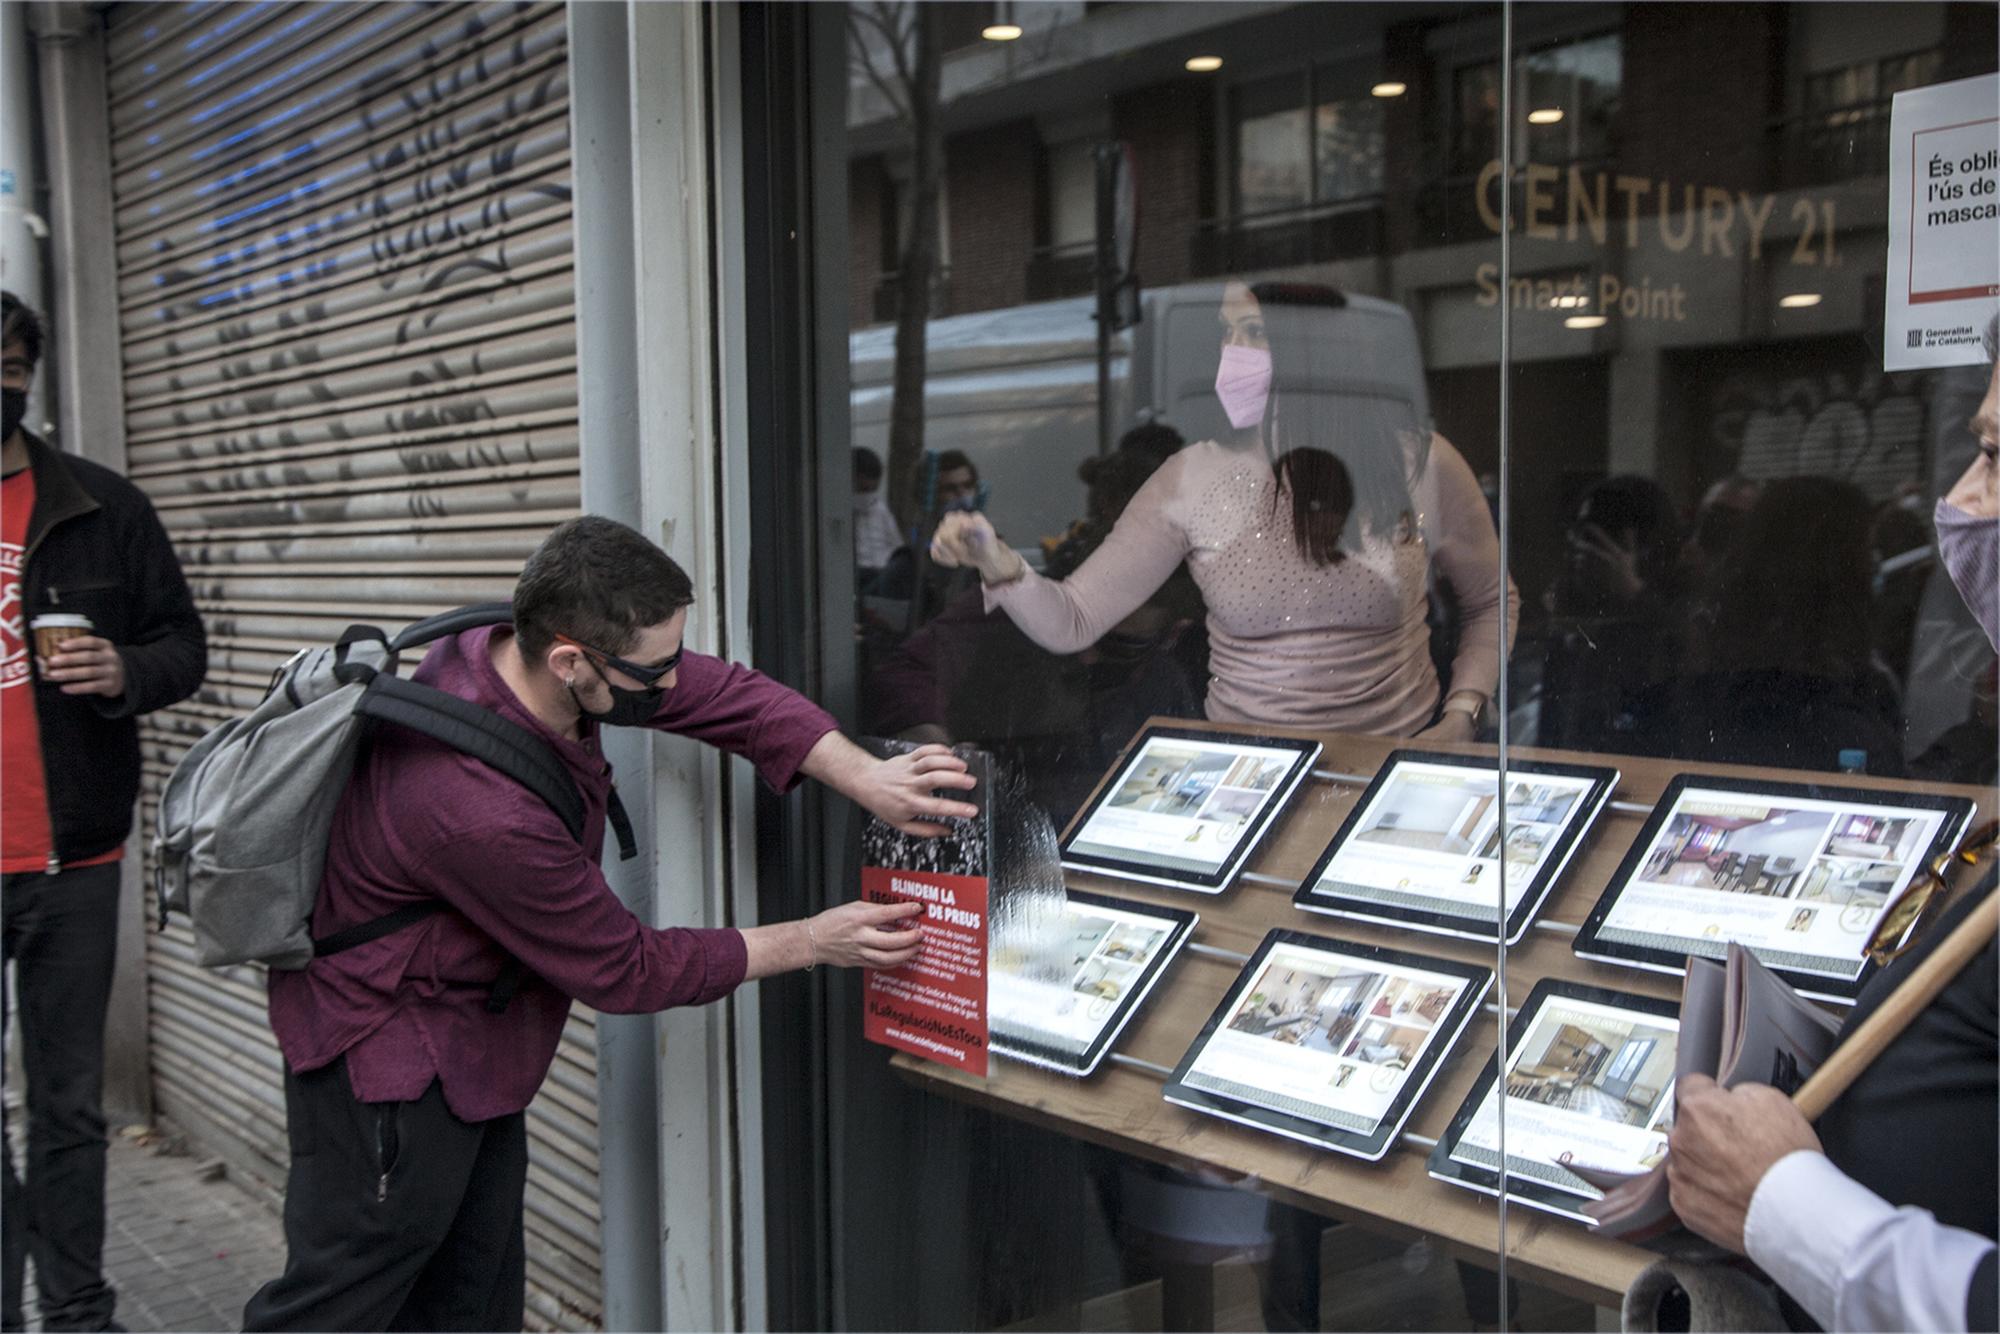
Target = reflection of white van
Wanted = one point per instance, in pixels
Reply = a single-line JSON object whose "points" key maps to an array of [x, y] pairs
{"points": [[1016, 389]]}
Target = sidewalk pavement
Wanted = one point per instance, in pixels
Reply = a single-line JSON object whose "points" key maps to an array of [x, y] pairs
{"points": [[184, 1245]]}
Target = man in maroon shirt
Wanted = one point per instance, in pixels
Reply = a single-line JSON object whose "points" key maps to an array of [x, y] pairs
{"points": [[405, 1090]]}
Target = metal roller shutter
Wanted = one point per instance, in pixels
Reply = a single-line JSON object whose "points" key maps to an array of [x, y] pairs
{"points": [[346, 317]]}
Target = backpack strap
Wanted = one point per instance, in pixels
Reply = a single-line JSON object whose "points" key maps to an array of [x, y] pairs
{"points": [[621, 826], [375, 927], [498, 996], [504, 986], [347, 672], [453, 622], [480, 733]]}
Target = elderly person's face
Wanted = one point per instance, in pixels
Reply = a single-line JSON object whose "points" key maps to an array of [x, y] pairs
{"points": [[1977, 492]]}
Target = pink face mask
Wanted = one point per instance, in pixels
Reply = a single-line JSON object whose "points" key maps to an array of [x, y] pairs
{"points": [[1243, 383]]}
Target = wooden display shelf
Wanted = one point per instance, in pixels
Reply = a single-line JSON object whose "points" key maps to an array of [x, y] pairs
{"points": [[1120, 1107]]}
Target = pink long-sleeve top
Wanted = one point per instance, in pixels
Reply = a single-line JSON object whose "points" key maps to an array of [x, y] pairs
{"points": [[1343, 647]]}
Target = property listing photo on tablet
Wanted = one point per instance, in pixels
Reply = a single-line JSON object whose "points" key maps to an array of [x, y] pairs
{"points": [[1424, 844], [1063, 1003], [1337, 1041], [1589, 1083], [1800, 876], [1187, 807]]}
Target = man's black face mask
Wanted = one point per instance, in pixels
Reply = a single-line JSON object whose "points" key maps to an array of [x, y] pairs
{"points": [[629, 708]]}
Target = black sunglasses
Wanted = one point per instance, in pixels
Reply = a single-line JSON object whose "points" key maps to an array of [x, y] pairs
{"points": [[647, 676]]}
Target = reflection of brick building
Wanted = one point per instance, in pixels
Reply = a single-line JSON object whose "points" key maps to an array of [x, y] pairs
{"points": [[1278, 159], [990, 213], [1282, 161]]}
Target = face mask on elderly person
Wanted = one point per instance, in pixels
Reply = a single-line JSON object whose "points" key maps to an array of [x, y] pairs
{"points": [[1969, 548]]}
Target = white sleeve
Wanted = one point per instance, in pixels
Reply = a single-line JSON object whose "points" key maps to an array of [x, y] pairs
{"points": [[1853, 1260]]}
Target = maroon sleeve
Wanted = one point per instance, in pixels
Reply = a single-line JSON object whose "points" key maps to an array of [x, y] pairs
{"points": [[531, 888], [745, 713]]}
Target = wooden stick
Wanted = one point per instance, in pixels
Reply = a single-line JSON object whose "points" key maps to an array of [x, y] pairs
{"points": [[1905, 1003]]}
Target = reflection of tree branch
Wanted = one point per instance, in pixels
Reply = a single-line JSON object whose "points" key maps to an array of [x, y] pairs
{"points": [[901, 39], [895, 91]]}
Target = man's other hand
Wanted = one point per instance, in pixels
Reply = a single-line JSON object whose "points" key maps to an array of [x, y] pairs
{"points": [[87, 665], [1723, 1142], [868, 935]]}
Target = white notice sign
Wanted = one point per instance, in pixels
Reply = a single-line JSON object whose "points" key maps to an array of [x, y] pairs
{"points": [[1943, 277]]}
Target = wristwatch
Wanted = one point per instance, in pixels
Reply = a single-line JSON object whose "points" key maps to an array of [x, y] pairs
{"points": [[1470, 703]]}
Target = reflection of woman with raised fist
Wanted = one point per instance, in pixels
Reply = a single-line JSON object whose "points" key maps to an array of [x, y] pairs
{"points": [[1313, 535]]}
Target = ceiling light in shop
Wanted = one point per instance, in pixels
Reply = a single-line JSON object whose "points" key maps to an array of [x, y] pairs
{"points": [[1000, 32], [1570, 301], [1390, 88], [1545, 116], [1584, 322], [1799, 300], [1204, 64]]}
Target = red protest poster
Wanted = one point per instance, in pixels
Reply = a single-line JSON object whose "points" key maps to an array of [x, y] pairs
{"points": [[935, 1005]]}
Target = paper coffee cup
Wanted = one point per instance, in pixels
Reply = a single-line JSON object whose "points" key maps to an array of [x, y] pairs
{"points": [[53, 631]]}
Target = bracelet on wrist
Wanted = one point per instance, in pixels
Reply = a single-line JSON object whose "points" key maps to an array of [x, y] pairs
{"points": [[1469, 704]]}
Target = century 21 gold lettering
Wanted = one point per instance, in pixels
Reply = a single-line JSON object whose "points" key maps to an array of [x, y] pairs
{"points": [[1562, 203]]}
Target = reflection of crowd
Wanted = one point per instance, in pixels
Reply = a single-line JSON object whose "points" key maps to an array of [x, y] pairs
{"points": [[968, 674], [1280, 576], [1779, 621], [1773, 629], [1796, 616]]}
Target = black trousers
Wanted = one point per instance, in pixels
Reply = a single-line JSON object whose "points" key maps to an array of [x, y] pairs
{"points": [[61, 940], [398, 1215]]}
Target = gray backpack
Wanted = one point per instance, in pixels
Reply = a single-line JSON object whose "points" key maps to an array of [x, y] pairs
{"points": [[245, 817]]}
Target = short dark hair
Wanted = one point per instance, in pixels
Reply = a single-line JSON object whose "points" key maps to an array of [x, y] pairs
{"points": [[949, 460], [598, 582], [867, 465], [20, 324]]}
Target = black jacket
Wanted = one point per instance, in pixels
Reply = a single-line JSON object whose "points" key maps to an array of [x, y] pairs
{"points": [[96, 547]]}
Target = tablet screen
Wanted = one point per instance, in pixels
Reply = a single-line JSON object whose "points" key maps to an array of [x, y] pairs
{"points": [[1801, 875], [1423, 844], [1588, 1082], [1338, 1040], [1187, 807], [1064, 1005]]}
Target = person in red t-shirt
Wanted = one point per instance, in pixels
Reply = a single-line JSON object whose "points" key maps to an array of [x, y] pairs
{"points": [[76, 540]]}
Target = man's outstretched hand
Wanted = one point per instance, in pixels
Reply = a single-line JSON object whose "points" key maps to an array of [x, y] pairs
{"points": [[900, 790]]}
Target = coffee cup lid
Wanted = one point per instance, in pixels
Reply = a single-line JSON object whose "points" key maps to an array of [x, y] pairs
{"points": [[58, 620]]}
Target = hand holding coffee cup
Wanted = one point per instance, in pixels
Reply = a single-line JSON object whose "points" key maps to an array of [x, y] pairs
{"points": [[69, 656], [52, 631]]}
